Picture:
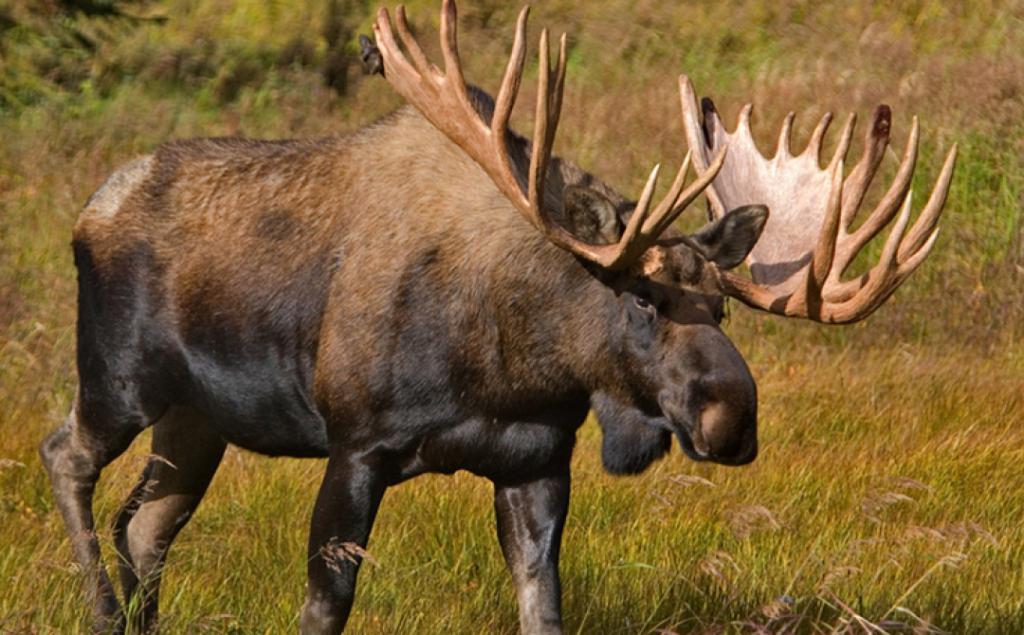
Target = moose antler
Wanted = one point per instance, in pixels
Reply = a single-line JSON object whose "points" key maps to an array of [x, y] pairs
{"points": [[444, 100], [807, 242]]}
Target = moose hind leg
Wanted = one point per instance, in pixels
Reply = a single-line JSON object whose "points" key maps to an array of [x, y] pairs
{"points": [[73, 456], [186, 453]]}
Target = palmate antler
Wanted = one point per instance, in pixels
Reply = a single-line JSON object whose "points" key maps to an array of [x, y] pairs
{"points": [[807, 242], [444, 100]]}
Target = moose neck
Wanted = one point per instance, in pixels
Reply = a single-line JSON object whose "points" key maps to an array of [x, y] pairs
{"points": [[469, 278], [555, 324]]}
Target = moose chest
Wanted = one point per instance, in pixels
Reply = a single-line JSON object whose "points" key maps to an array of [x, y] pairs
{"points": [[423, 407], [499, 449]]}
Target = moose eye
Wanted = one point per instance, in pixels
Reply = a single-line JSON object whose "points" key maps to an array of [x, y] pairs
{"points": [[643, 303]]}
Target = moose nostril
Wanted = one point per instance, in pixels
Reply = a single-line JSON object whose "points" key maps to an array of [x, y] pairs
{"points": [[718, 427], [711, 415], [726, 429]]}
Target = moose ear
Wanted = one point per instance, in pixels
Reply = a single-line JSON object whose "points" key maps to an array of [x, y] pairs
{"points": [[728, 240], [590, 216]]}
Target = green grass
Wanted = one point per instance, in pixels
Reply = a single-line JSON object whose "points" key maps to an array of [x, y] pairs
{"points": [[889, 488]]}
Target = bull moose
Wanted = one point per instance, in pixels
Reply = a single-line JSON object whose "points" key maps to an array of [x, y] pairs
{"points": [[437, 293]]}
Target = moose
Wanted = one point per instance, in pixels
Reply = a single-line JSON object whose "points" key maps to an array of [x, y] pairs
{"points": [[437, 293]]}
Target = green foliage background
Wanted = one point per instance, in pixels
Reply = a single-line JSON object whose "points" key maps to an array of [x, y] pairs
{"points": [[889, 492]]}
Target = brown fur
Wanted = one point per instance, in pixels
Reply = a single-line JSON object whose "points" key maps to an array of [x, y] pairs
{"points": [[232, 221], [374, 298]]}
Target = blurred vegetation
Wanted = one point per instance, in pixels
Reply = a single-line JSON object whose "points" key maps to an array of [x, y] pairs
{"points": [[66, 48], [889, 487], [180, 68]]}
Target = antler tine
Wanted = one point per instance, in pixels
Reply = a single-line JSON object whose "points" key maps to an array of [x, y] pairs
{"points": [[854, 300], [701, 183], [923, 227], [876, 140], [782, 147], [510, 81], [557, 94], [644, 203], [869, 304], [825, 250], [907, 267], [633, 243], [659, 221], [675, 192], [543, 127], [882, 274], [450, 46], [675, 201], [642, 212], [419, 59], [844, 142], [743, 119], [814, 145], [890, 202], [891, 248], [389, 47]]}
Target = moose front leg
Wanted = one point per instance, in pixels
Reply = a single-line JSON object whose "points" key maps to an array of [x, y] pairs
{"points": [[345, 509], [530, 519]]}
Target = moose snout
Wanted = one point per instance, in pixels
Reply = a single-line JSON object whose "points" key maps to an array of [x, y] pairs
{"points": [[713, 410], [722, 431]]}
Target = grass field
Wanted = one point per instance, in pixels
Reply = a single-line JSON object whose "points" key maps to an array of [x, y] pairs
{"points": [[889, 493]]}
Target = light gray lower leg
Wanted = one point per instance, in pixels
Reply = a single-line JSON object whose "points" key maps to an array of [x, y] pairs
{"points": [[530, 517], [186, 454], [73, 461]]}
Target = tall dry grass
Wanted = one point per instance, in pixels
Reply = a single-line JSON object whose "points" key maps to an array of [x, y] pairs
{"points": [[889, 492]]}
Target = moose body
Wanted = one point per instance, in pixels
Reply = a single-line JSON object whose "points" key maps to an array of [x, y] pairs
{"points": [[386, 300], [371, 298]]}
